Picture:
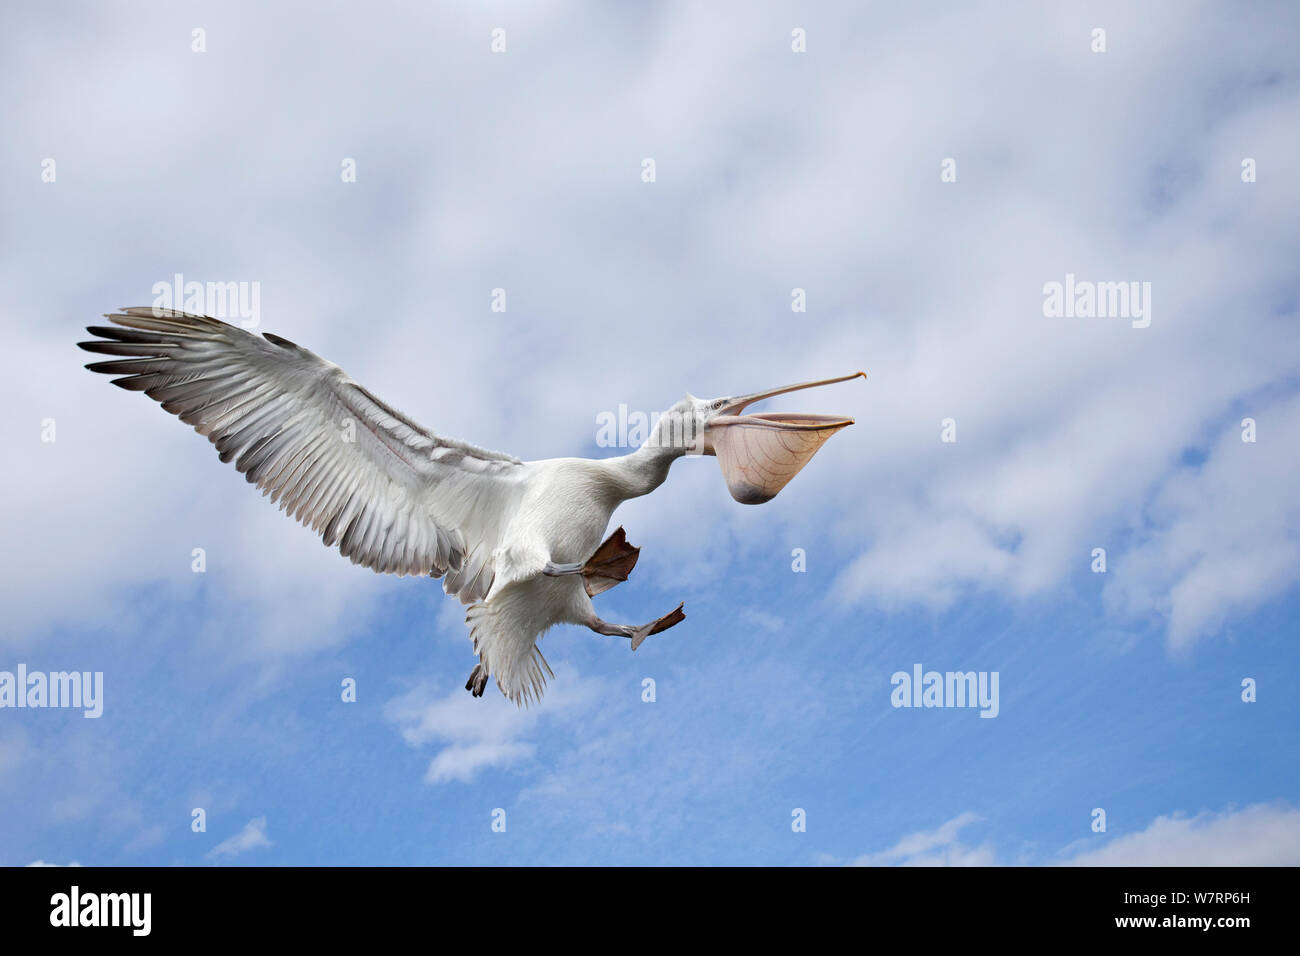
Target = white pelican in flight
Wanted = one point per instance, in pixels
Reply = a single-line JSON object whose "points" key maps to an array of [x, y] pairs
{"points": [[520, 542]]}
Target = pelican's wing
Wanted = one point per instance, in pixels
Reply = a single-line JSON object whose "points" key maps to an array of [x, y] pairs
{"points": [[392, 495]]}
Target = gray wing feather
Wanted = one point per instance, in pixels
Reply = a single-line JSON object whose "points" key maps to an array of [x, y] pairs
{"points": [[390, 494]]}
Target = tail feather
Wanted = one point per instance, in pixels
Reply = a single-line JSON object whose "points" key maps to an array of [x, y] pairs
{"points": [[507, 650]]}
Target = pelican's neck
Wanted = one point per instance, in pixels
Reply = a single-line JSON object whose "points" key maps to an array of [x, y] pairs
{"points": [[642, 471], [645, 469]]}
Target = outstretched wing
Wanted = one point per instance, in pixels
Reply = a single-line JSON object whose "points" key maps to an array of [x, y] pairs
{"points": [[391, 495]]}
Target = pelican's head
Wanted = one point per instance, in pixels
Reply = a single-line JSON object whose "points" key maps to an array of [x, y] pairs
{"points": [[759, 454]]}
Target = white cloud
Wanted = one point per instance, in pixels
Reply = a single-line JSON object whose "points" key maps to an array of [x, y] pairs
{"points": [[252, 837], [43, 863], [938, 847], [1259, 835], [1225, 535], [475, 734], [463, 761]]}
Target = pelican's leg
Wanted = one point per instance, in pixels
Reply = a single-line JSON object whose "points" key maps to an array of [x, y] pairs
{"points": [[612, 562], [610, 630], [638, 634]]}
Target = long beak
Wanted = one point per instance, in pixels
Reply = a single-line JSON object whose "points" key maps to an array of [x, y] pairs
{"points": [[759, 454], [738, 405]]}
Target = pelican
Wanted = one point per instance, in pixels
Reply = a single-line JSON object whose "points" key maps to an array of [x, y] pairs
{"points": [[519, 542]]}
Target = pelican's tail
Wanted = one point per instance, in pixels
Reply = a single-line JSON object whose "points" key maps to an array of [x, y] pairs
{"points": [[505, 640]]}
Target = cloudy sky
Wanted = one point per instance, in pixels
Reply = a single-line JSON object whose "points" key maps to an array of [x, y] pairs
{"points": [[922, 173]]}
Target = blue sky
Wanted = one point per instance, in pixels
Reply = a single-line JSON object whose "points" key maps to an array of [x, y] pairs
{"points": [[775, 171]]}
